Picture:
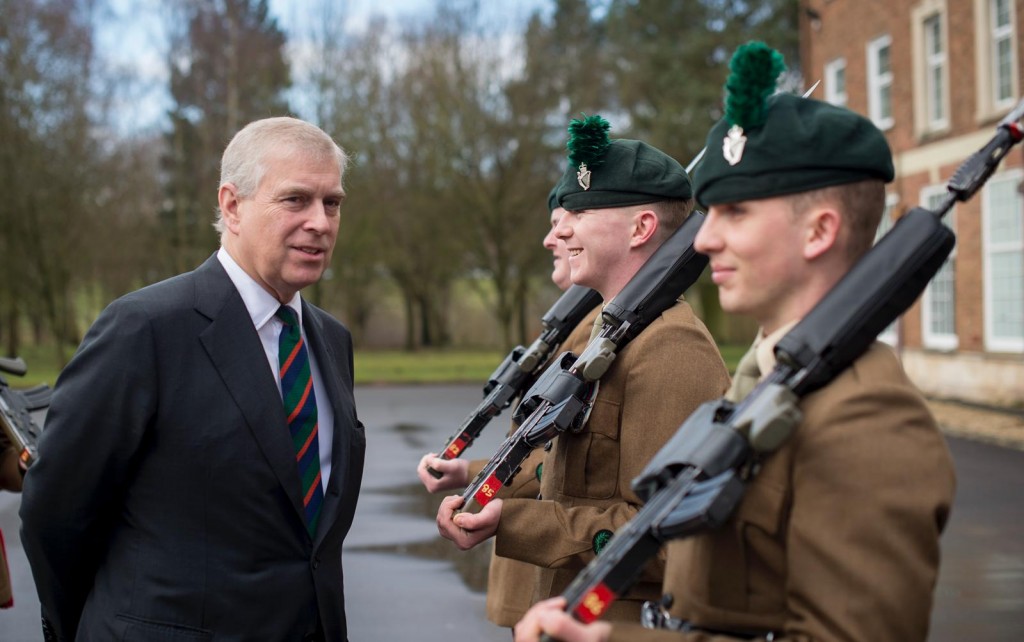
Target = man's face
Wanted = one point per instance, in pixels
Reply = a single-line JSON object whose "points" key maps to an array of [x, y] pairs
{"points": [[284, 234], [755, 250], [560, 260], [598, 245]]}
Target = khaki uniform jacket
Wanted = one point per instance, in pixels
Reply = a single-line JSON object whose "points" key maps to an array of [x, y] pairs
{"points": [[10, 479], [838, 537], [510, 582], [655, 382]]}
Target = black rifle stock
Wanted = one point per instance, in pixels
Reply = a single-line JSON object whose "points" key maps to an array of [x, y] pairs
{"points": [[697, 479], [514, 374], [16, 407], [555, 402]]}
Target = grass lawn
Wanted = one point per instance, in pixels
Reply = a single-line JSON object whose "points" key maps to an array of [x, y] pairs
{"points": [[424, 366], [371, 367], [435, 366]]}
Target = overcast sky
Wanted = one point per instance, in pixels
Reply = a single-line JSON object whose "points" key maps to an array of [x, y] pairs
{"points": [[131, 38]]}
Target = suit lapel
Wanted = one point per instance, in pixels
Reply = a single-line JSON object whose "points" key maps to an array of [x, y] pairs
{"points": [[235, 349]]}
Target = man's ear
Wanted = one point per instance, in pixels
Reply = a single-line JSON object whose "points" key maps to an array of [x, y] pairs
{"points": [[227, 199], [822, 229], [645, 225]]}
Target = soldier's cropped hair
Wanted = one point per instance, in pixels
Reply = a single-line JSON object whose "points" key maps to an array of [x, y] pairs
{"points": [[671, 214], [861, 205]]}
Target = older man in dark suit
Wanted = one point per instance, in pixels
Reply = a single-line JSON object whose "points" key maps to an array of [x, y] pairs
{"points": [[202, 455]]}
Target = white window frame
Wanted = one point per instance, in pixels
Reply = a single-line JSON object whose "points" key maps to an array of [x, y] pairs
{"points": [[833, 70], [890, 334], [987, 36], [991, 246], [930, 67], [936, 99], [998, 34], [931, 339], [879, 81]]}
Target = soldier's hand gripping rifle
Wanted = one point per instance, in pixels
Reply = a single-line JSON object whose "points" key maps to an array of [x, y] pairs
{"points": [[697, 479], [519, 368], [557, 401], [16, 407]]}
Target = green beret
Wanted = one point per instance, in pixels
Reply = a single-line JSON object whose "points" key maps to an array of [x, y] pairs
{"points": [[553, 198], [803, 145], [772, 145], [619, 173]]}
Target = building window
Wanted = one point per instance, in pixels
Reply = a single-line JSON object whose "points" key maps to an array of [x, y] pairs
{"points": [[835, 82], [935, 72], [938, 304], [1003, 221], [880, 82], [890, 334], [996, 64], [1002, 52]]}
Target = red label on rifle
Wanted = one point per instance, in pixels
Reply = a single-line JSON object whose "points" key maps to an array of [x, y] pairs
{"points": [[488, 490], [455, 449], [594, 603]]}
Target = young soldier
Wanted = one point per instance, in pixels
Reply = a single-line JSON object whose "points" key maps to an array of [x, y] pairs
{"points": [[509, 581], [837, 537], [620, 207]]}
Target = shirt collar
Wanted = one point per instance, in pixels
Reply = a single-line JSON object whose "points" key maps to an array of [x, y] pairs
{"points": [[764, 347], [260, 304]]}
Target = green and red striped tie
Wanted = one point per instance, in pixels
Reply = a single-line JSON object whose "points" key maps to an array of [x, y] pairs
{"points": [[300, 407]]}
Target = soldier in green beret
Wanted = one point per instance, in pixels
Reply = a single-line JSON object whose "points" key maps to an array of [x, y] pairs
{"points": [[837, 537], [509, 581], [622, 198]]}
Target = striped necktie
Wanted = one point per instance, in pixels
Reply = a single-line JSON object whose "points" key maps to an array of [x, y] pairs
{"points": [[300, 407]]}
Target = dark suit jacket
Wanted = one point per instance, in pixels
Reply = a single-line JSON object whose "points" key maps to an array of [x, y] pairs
{"points": [[165, 503]]}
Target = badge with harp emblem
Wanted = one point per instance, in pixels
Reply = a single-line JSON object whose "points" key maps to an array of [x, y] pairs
{"points": [[583, 177], [588, 144], [754, 71], [733, 144]]}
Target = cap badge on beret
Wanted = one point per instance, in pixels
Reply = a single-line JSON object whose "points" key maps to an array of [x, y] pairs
{"points": [[588, 143], [754, 69], [732, 145], [583, 177]]}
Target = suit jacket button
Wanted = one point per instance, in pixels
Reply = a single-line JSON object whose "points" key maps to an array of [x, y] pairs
{"points": [[316, 563]]}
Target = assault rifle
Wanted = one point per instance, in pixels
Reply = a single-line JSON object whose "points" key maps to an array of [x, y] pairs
{"points": [[694, 483], [559, 399], [16, 407], [516, 372]]}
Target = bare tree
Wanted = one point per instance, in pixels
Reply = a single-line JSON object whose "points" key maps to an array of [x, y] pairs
{"points": [[227, 67], [46, 161]]}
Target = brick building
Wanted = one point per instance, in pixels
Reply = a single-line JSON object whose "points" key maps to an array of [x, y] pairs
{"points": [[937, 76]]}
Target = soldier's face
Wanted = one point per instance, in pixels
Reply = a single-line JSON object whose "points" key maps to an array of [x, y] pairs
{"points": [[598, 246], [560, 261], [755, 251]]}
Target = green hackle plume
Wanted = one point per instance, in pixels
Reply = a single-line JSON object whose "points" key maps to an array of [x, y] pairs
{"points": [[755, 68], [588, 141]]}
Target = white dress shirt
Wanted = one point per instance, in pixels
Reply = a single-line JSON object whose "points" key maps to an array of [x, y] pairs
{"points": [[262, 306]]}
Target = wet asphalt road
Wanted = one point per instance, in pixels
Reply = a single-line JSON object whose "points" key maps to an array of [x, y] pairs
{"points": [[404, 583]]}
